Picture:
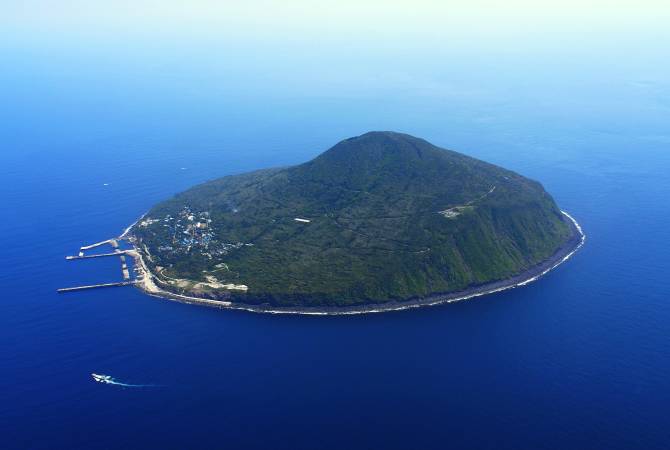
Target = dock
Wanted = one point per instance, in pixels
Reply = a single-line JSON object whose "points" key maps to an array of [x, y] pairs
{"points": [[95, 286], [111, 242], [124, 268], [116, 252], [100, 255]]}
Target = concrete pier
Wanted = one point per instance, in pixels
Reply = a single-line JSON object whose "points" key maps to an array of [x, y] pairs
{"points": [[124, 268], [117, 252], [100, 255], [95, 286], [97, 244]]}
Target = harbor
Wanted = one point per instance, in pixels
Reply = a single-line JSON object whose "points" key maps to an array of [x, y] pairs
{"points": [[117, 252]]}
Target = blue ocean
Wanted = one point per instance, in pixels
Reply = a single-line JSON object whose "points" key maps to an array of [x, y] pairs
{"points": [[92, 136]]}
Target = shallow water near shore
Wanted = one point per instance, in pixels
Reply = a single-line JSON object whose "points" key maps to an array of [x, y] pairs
{"points": [[578, 359]]}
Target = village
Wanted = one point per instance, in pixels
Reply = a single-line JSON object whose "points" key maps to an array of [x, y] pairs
{"points": [[190, 230]]}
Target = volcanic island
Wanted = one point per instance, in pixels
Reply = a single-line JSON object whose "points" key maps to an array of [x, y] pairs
{"points": [[379, 222]]}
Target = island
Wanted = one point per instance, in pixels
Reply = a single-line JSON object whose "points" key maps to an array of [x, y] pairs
{"points": [[379, 222]]}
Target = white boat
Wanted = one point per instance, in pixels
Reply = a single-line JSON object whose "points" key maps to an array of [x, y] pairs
{"points": [[101, 378]]}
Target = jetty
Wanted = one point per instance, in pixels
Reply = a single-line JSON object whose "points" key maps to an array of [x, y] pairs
{"points": [[96, 286], [121, 254], [124, 268], [100, 255]]}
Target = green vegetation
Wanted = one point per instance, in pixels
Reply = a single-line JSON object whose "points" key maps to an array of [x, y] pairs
{"points": [[391, 217]]}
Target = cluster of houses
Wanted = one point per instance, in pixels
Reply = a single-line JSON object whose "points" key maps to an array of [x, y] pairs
{"points": [[191, 230]]}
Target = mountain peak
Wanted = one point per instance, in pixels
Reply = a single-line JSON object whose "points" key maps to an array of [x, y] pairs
{"points": [[379, 146], [386, 137], [385, 157]]}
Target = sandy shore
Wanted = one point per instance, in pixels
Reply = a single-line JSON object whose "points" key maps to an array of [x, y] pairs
{"points": [[149, 286]]}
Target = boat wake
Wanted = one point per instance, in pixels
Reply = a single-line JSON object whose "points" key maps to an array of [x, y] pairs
{"points": [[106, 379]]}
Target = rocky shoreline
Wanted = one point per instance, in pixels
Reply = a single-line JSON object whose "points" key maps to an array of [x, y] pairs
{"points": [[150, 287]]}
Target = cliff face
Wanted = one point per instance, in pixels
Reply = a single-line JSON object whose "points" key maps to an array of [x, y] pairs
{"points": [[383, 216]]}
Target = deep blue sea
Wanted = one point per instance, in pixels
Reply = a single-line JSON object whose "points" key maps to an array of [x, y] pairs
{"points": [[579, 359]]}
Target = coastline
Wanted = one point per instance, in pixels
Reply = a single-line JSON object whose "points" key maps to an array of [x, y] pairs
{"points": [[565, 252]]}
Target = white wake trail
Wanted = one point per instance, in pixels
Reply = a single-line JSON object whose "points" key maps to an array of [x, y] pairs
{"points": [[106, 379]]}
